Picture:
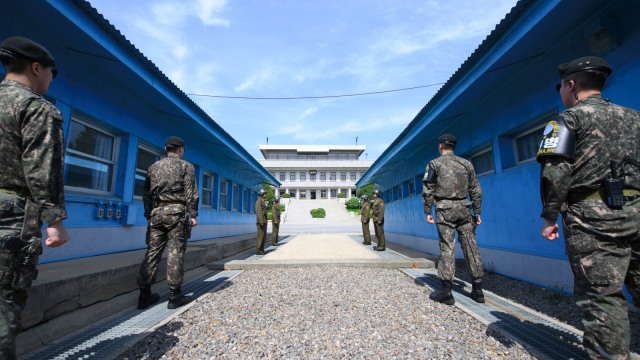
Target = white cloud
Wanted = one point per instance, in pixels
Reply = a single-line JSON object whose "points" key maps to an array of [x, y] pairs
{"points": [[208, 11], [255, 80]]}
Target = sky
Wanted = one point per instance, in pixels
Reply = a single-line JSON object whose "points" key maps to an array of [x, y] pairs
{"points": [[315, 55]]}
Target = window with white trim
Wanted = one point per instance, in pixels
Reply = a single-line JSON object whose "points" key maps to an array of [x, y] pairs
{"points": [[483, 162], [146, 157], [526, 145], [236, 197], [207, 189], [90, 159], [224, 190]]}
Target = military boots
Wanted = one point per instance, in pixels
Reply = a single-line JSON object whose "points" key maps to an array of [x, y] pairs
{"points": [[146, 298], [444, 295], [476, 290], [176, 299]]}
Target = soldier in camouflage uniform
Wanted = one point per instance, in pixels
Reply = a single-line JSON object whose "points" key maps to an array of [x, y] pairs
{"points": [[170, 205], [378, 220], [447, 182], [365, 214], [602, 235], [31, 180], [275, 221], [261, 222]]}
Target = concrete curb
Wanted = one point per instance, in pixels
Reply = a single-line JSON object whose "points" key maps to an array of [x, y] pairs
{"points": [[306, 263]]}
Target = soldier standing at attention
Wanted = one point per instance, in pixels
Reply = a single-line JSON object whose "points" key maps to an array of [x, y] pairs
{"points": [[275, 221], [447, 182], [365, 214], [590, 158], [261, 222], [31, 180], [170, 206], [378, 220]]}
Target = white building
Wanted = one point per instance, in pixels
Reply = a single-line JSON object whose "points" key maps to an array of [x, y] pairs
{"points": [[315, 171]]}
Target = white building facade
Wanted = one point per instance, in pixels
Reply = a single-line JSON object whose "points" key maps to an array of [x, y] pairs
{"points": [[310, 172]]}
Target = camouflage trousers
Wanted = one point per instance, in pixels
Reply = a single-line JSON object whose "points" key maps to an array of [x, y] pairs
{"points": [[168, 231], [379, 230], [18, 218], [603, 246], [275, 229], [452, 215], [366, 233], [261, 236]]}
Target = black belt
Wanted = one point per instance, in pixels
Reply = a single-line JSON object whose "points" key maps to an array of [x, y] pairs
{"points": [[12, 243], [181, 202]]}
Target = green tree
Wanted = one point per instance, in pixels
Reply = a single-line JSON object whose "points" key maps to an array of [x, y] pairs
{"points": [[270, 194], [366, 190]]}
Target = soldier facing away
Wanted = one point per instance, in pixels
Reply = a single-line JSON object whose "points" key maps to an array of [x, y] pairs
{"points": [[365, 215], [32, 177], [275, 221], [378, 220], [261, 222], [447, 182], [170, 206], [590, 174]]}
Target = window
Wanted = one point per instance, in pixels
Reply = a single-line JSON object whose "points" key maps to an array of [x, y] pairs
{"points": [[527, 145], [283, 176], [312, 176], [353, 176], [323, 194], [207, 189], [224, 190], [323, 176], [343, 176], [398, 192], [236, 197], [303, 176], [292, 176], [412, 188], [247, 202], [332, 176], [90, 160], [146, 157], [292, 193], [483, 162], [333, 193]]}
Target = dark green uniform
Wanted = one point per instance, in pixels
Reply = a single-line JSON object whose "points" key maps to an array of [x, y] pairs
{"points": [[275, 223], [31, 192], [378, 223], [365, 214], [261, 225]]}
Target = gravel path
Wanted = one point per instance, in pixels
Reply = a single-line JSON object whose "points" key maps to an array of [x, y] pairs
{"points": [[323, 313]]}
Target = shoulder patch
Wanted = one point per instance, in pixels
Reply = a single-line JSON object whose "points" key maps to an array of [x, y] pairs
{"points": [[557, 140]]}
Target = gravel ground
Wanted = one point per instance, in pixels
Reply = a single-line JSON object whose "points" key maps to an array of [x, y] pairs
{"points": [[323, 313], [554, 304]]}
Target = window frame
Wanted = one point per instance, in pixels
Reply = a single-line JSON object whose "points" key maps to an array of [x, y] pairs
{"points": [[224, 194], [537, 129], [213, 186], [477, 154], [148, 149], [79, 154]]}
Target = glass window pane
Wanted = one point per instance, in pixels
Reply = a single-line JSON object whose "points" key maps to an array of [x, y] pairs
{"points": [[87, 173], [90, 141], [527, 145]]}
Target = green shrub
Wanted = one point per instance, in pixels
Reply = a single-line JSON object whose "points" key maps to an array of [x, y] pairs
{"points": [[342, 195], [352, 204], [318, 213], [269, 216], [285, 195], [282, 207]]}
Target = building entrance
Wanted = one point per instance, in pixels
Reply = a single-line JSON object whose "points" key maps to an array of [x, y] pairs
{"points": [[313, 194]]}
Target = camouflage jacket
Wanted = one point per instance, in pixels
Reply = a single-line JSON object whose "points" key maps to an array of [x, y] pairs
{"points": [[455, 180], [275, 212], [173, 181], [32, 146], [261, 211], [378, 210], [365, 211], [603, 132]]}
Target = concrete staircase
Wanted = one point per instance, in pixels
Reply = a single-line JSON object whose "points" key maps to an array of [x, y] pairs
{"points": [[298, 212]]}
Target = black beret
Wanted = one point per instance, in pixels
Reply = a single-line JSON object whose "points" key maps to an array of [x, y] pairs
{"points": [[584, 63], [447, 139], [27, 49], [174, 141]]}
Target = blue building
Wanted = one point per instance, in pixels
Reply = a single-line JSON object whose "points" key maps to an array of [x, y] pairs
{"points": [[118, 108], [496, 104]]}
